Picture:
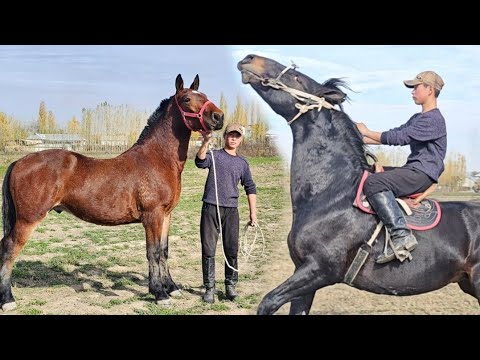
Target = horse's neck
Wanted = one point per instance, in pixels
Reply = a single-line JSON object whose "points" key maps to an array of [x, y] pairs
{"points": [[173, 140], [168, 141], [321, 166]]}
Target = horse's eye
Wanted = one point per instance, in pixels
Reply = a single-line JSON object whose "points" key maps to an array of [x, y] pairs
{"points": [[186, 99]]}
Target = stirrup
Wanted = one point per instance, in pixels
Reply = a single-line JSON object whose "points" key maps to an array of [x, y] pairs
{"points": [[402, 254]]}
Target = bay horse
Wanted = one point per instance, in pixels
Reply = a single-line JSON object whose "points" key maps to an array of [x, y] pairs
{"points": [[327, 164], [141, 185]]}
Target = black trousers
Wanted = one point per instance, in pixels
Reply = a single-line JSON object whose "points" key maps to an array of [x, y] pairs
{"points": [[401, 181], [210, 230]]}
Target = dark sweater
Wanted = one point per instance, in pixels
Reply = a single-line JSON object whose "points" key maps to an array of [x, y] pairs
{"points": [[230, 171], [427, 135]]}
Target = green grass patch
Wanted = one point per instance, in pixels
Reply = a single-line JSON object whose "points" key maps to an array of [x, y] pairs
{"points": [[37, 302], [30, 311]]}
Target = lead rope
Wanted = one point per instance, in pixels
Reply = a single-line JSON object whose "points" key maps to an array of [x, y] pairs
{"points": [[244, 243], [210, 149]]}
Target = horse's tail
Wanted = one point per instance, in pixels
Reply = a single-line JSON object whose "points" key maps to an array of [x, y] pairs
{"points": [[9, 216]]}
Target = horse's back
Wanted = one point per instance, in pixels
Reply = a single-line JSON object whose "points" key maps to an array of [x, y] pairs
{"points": [[443, 255], [43, 165]]}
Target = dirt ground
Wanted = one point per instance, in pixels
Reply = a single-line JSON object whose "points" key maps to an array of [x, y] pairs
{"points": [[99, 295], [73, 267]]}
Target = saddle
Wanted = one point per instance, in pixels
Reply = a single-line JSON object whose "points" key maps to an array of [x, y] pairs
{"points": [[420, 213]]}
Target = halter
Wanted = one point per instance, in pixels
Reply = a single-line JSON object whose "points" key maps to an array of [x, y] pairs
{"points": [[309, 101], [199, 116]]}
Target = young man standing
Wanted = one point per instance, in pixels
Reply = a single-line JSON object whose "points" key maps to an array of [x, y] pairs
{"points": [[426, 134], [230, 169]]}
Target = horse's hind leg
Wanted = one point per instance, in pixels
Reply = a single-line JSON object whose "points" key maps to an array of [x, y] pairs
{"points": [[152, 222], [475, 281], [302, 305], [466, 286], [304, 282], [166, 279], [11, 246]]}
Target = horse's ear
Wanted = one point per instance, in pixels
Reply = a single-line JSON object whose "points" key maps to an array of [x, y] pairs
{"points": [[179, 83], [334, 96], [195, 83]]}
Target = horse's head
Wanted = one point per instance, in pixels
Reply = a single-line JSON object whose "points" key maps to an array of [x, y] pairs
{"points": [[283, 87], [199, 113]]}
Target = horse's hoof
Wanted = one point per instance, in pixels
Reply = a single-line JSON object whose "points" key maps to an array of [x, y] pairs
{"points": [[176, 294], [164, 302], [9, 306]]}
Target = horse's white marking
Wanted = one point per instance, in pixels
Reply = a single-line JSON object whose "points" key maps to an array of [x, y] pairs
{"points": [[164, 303], [176, 294], [9, 306]]}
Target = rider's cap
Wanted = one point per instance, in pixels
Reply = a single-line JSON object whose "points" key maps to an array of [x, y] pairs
{"points": [[426, 77], [235, 127]]}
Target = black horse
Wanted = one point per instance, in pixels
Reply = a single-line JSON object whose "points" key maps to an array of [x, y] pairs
{"points": [[328, 160]]}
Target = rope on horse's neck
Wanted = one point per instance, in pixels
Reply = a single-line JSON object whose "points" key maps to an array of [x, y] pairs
{"points": [[311, 101]]}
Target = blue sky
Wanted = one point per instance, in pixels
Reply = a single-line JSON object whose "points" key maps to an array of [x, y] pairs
{"points": [[376, 73], [70, 77]]}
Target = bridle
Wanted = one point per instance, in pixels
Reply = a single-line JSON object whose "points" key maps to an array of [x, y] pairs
{"points": [[308, 101], [198, 115]]}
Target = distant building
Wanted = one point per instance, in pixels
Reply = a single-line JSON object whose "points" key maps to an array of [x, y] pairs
{"points": [[468, 185], [38, 142], [114, 140]]}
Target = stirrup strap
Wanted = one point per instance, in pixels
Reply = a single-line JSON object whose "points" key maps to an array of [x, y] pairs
{"points": [[404, 206]]}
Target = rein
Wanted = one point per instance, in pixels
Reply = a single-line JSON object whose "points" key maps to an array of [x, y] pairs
{"points": [[199, 115], [309, 101]]}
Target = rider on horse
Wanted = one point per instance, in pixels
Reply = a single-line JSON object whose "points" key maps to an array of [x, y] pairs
{"points": [[426, 134]]}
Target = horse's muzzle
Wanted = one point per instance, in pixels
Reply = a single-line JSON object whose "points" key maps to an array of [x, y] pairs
{"points": [[217, 120]]}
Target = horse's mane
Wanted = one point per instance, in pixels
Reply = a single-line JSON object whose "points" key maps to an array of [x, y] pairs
{"points": [[156, 116], [335, 84], [343, 122]]}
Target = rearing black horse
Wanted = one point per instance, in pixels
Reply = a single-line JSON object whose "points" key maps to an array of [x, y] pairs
{"points": [[328, 160]]}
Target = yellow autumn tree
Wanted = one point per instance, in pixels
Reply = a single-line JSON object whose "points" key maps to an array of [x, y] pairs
{"points": [[51, 126], [73, 126], [6, 131], [455, 172], [223, 105], [42, 118]]}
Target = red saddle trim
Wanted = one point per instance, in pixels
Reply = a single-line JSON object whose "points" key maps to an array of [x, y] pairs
{"points": [[358, 200], [358, 203]]}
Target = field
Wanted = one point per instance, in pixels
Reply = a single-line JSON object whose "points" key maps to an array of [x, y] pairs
{"points": [[73, 267]]}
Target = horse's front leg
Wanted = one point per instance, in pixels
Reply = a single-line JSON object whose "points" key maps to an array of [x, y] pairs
{"points": [[304, 282], [166, 279], [302, 305], [153, 222]]}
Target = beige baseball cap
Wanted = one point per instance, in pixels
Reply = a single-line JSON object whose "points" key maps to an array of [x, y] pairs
{"points": [[426, 77], [235, 127]]}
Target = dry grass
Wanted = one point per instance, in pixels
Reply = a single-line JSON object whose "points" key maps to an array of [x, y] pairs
{"points": [[73, 267]]}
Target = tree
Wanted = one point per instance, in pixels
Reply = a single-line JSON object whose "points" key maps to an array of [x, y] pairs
{"points": [[42, 118], [223, 105], [455, 172], [51, 122], [6, 131], [73, 126], [240, 113], [396, 156]]}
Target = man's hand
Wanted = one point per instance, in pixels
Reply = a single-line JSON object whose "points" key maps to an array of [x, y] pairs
{"points": [[362, 128], [207, 136]]}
